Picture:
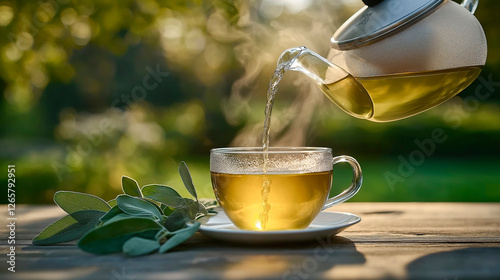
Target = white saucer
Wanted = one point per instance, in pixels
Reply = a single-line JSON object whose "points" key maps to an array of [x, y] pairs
{"points": [[326, 224]]}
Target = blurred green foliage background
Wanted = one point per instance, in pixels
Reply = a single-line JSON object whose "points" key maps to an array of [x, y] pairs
{"points": [[93, 90]]}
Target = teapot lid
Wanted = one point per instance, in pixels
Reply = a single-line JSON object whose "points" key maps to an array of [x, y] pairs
{"points": [[379, 19]]}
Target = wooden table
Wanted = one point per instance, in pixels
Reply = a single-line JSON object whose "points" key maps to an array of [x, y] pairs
{"points": [[393, 240]]}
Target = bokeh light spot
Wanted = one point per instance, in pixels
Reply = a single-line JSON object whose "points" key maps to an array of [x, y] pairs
{"points": [[6, 15]]}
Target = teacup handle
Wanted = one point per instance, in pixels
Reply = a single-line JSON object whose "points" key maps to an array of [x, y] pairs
{"points": [[357, 179]]}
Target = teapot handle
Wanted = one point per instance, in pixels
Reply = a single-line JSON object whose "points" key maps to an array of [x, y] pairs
{"points": [[470, 5]]}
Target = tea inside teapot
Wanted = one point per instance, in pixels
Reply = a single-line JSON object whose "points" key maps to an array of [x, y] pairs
{"points": [[383, 98], [400, 96]]}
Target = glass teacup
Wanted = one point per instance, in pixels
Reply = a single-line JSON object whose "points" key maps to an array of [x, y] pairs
{"points": [[285, 189]]}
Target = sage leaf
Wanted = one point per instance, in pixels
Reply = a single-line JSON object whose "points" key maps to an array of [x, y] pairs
{"points": [[178, 219], [75, 201], [185, 214], [112, 202], [195, 208], [204, 220], [163, 194], [167, 210], [155, 204], [161, 233], [138, 207], [187, 180], [209, 203], [116, 218], [115, 210], [110, 238], [135, 222], [69, 228], [179, 237], [137, 246], [130, 187]]}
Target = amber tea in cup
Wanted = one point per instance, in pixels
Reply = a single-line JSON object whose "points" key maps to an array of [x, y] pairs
{"points": [[282, 190]]}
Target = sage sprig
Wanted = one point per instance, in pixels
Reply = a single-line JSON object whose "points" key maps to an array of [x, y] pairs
{"points": [[139, 221]]}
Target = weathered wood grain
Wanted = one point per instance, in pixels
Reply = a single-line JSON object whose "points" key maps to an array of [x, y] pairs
{"points": [[394, 240]]}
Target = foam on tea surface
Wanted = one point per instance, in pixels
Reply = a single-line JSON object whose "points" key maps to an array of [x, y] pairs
{"points": [[278, 161]]}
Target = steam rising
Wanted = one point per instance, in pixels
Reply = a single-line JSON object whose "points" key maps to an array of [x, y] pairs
{"points": [[262, 43]]}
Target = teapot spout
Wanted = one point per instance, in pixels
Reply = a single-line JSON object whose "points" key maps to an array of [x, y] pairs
{"points": [[336, 83], [316, 67]]}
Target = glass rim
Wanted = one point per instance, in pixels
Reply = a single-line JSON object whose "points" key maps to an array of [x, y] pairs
{"points": [[272, 150]]}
